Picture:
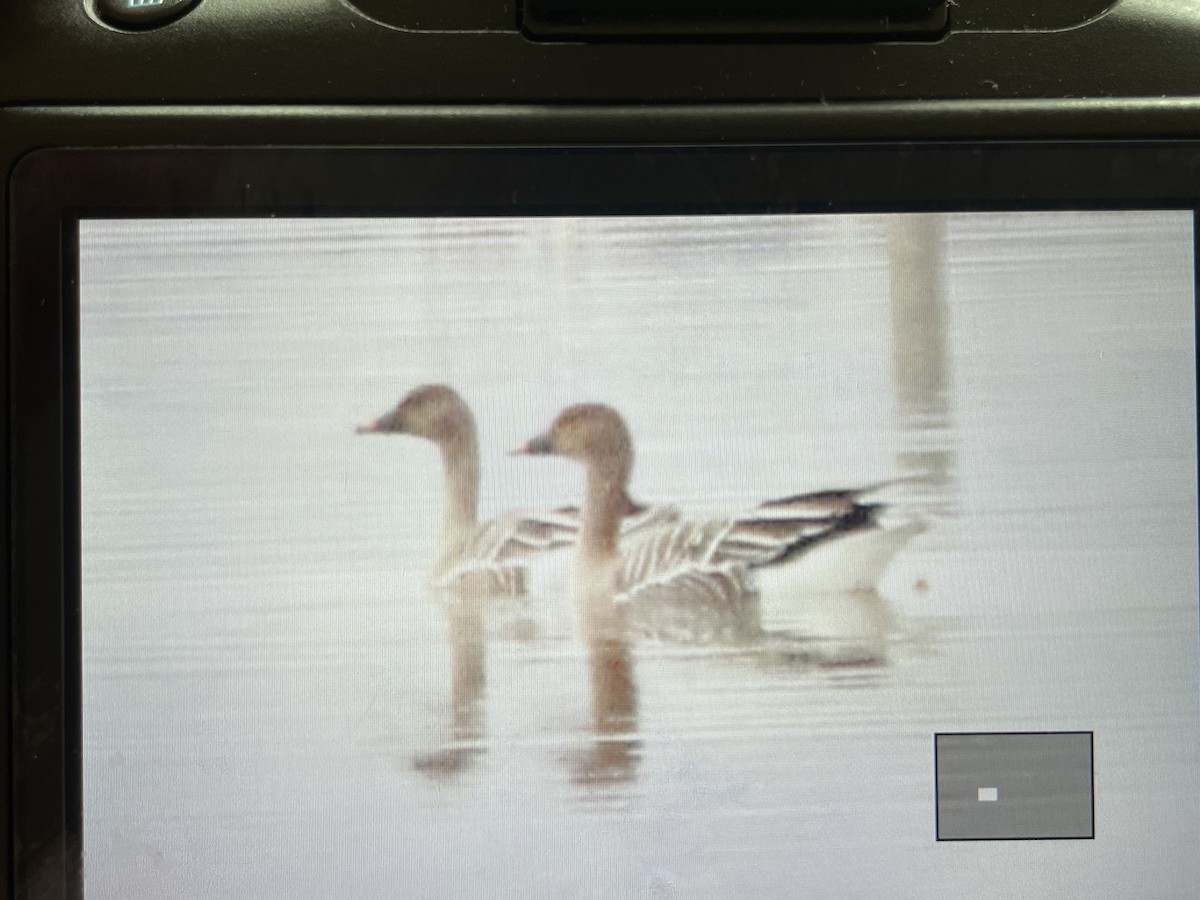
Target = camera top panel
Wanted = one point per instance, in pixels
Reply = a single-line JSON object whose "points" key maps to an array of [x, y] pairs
{"points": [[719, 19], [591, 51]]}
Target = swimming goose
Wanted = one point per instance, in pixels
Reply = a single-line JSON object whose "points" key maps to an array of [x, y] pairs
{"points": [[695, 579], [482, 559]]}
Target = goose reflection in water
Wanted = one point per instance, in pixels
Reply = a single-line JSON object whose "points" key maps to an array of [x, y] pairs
{"points": [[466, 741], [616, 747], [614, 753]]}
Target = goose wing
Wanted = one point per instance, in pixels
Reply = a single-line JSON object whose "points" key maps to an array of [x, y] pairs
{"points": [[779, 530], [521, 534], [492, 562], [529, 532], [678, 592]]}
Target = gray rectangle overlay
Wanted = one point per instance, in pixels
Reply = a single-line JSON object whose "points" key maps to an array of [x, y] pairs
{"points": [[1014, 786]]}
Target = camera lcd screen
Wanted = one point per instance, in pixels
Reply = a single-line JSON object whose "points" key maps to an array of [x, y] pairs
{"points": [[884, 581]]}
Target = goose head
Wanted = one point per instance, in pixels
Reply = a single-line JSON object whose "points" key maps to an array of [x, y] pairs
{"points": [[589, 433], [433, 411]]}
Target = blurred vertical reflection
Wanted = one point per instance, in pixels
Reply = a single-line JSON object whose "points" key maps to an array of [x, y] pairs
{"points": [[615, 750], [917, 265], [465, 739]]}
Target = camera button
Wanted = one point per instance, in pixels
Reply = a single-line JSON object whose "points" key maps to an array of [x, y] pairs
{"points": [[142, 13]]}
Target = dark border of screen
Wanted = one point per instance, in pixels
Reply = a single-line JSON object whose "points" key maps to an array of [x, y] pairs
{"points": [[53, 190]]}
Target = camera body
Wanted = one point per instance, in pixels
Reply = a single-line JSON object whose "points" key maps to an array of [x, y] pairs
{"points": [[931, 104], [355, 71]]}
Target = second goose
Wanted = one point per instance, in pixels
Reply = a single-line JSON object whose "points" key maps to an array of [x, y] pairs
{"points": [[693, 579]]}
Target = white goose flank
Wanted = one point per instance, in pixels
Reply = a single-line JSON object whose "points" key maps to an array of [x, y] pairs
{"points": [[482, 558], [696, 579]]}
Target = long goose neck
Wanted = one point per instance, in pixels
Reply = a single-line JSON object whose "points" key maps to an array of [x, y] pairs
{"points": [[460, 458], [604, 504]]}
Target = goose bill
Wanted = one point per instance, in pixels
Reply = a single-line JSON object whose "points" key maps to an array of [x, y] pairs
{"points": [[389, 424], [538, 446]]}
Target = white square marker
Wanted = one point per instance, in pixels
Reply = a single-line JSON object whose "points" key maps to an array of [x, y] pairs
{"points": [[989, 795]]}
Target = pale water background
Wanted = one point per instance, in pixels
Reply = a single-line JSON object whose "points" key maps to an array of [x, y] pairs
{"points": [[267, 684]]}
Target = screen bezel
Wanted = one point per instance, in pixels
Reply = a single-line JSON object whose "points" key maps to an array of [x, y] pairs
{"points": [[53, 190]]}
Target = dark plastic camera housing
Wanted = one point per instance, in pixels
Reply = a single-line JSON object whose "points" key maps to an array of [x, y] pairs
{"points": [[478, 75]]}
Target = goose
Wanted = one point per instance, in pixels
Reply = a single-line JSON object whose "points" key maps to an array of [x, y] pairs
{"points": [[482, 558], [696, 579]]}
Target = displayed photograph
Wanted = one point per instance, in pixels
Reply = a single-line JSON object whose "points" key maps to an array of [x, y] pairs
{"points": [[637, 556]]}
